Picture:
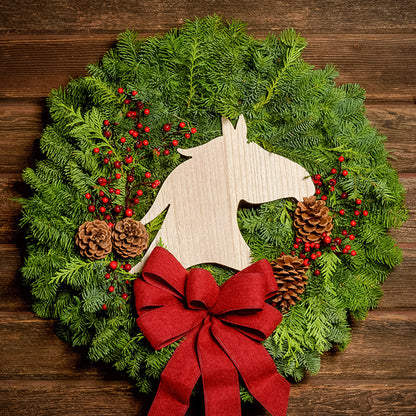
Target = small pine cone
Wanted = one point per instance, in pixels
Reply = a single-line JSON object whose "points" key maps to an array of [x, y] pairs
{"points": [[312, 218], [291, 278], [130, 238], [94, 239]]}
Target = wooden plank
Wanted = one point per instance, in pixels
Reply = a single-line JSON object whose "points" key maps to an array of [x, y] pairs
{"points": [[21, 125], [381, 348], [108, 398], [324, 16], [383, 64]]}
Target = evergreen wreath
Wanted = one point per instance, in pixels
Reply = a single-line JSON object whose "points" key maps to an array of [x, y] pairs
{"points": [[112, 141]]}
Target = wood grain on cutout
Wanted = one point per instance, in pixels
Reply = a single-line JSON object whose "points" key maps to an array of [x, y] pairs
{"points": [[203, 193]]}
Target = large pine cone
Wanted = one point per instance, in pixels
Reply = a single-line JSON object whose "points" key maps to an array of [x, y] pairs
{"points": [[94, 239], [312, 218], [291, 278], [130, 238]]}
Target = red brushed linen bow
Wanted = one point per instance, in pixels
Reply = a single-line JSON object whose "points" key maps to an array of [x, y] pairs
{"points": [[222, 328]]}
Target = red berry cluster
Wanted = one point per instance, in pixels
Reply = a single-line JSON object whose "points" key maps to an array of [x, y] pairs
{"points": [[127, 148], [339, 244], [117, 284]]}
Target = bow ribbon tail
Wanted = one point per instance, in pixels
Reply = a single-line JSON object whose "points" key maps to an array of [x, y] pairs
{"points": [[219, 377], [256, 367], [178, 379]]}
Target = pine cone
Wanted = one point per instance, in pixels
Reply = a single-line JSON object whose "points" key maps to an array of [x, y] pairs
{"points": [[291, 278], [130, 238], [312, 218], [94, 239]]}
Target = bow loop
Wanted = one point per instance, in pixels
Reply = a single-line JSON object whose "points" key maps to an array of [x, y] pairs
{"points": [[201, 289]]}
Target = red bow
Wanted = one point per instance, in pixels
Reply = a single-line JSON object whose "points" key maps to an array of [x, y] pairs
{"points": [[222, 326]]}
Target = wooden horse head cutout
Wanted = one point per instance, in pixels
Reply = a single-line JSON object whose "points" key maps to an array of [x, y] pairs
{"points": [[203, 193]]}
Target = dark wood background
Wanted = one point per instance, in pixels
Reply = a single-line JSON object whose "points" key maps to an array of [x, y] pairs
{"points": [[45, 43]]}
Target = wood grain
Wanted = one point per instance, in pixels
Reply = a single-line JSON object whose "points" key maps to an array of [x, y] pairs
{"points": [[54, 59], [325, 16]]}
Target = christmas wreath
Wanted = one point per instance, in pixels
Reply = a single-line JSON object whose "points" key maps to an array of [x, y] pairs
{"points": [[112, 141]]}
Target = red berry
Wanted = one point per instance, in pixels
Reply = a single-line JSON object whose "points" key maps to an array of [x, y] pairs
{"points": [[157, 182], [129, 159], [318, 192], [113, 265], [127, 267], [344, 250], [352, 237], [110, 152], [139, 105], [333, 182], [358, 201], [344, 195], [118, 175], [107, 275], [313, 256], [105, 200], [146, 111], [110, 224], [120, 90], [344, 232], [131, 131], [111, 190], [88, 196], [344, 172], [96, 150], [133, 93], [139, 192], [324, 234], [111, 289], [318, 176], [298, 240], [102, 210], [324, 198], [318, 253], [331, 189], [317, 245], [147, 129], [193, 130], [135, 134], [108, 217], [148, 175], [129, 114], [187, 135], [130, 178], [117, 191], [357, 213], [175, 142], [106, 160], [124, 296], [145, 142], [341, 211], [106, 122], [338, 240], [127, 101], [296, 246], [365, 213], [117, 164], [353, 223], [136, 200], [306, 262], [101, 193], [317, 272], [167, 127], [123, 140], [333, 170], [341, 158], [348, 247], [107, 133], [182, 124], [129, 212], [166, 152], [333, 248], [139, 125], [91, 208], [327, 240], [118, 209], [353, 253], [104, 307]]}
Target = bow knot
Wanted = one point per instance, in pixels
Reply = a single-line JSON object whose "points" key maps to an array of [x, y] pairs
{"points": [[222, 326]]}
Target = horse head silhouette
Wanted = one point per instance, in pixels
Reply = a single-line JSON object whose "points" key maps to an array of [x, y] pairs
{"points": [[203, 193]]}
